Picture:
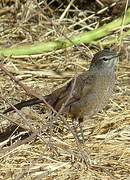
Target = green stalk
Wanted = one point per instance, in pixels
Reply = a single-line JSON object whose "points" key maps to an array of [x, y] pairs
{"points": [[86, 37]]}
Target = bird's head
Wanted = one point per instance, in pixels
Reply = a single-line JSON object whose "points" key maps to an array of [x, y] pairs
{"points": [[105, 59]]}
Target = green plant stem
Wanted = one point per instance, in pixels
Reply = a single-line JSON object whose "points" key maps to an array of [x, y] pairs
{"points": [[111, 40], [86, 37]]}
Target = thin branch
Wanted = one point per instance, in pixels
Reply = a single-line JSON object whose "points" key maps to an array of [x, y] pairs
{"points": [[25, 88]]}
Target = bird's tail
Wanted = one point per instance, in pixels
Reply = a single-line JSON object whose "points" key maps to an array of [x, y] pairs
{"points": [[22, 104]]}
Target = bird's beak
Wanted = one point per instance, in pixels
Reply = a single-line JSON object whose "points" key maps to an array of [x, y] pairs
{"points": [[117, 58]]}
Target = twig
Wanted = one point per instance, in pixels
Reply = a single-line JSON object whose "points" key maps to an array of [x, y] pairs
{"points": [[26, 89], [20, 114], [57, 113]]}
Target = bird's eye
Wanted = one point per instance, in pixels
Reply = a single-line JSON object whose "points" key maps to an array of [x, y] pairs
{"points": [[104, 59]]}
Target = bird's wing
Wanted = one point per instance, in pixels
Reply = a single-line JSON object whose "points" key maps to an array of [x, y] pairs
{"points": [[83, 86], [71, 92]]}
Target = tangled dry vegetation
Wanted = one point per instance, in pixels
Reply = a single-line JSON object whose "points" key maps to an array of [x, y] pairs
{"points": [[107, 134]]}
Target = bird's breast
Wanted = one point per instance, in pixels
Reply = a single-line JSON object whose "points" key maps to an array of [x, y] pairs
{"points": [[103, 90], [100, 94]]}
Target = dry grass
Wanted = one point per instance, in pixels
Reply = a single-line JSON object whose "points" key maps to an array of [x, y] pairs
{"points": [[107, 134]]}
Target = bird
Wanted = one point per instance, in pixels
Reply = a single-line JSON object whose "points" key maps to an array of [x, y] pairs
{"points": [[91, 92]]}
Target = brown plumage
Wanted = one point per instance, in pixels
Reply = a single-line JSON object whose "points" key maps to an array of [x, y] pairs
{"points": [[91, 92]]}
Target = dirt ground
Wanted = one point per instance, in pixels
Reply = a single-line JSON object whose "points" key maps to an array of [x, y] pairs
{"points": [[28, 152]]}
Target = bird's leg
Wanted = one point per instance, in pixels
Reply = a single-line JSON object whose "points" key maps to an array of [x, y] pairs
{"points": [[74, 126], [80, 120], [77, 123]]}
